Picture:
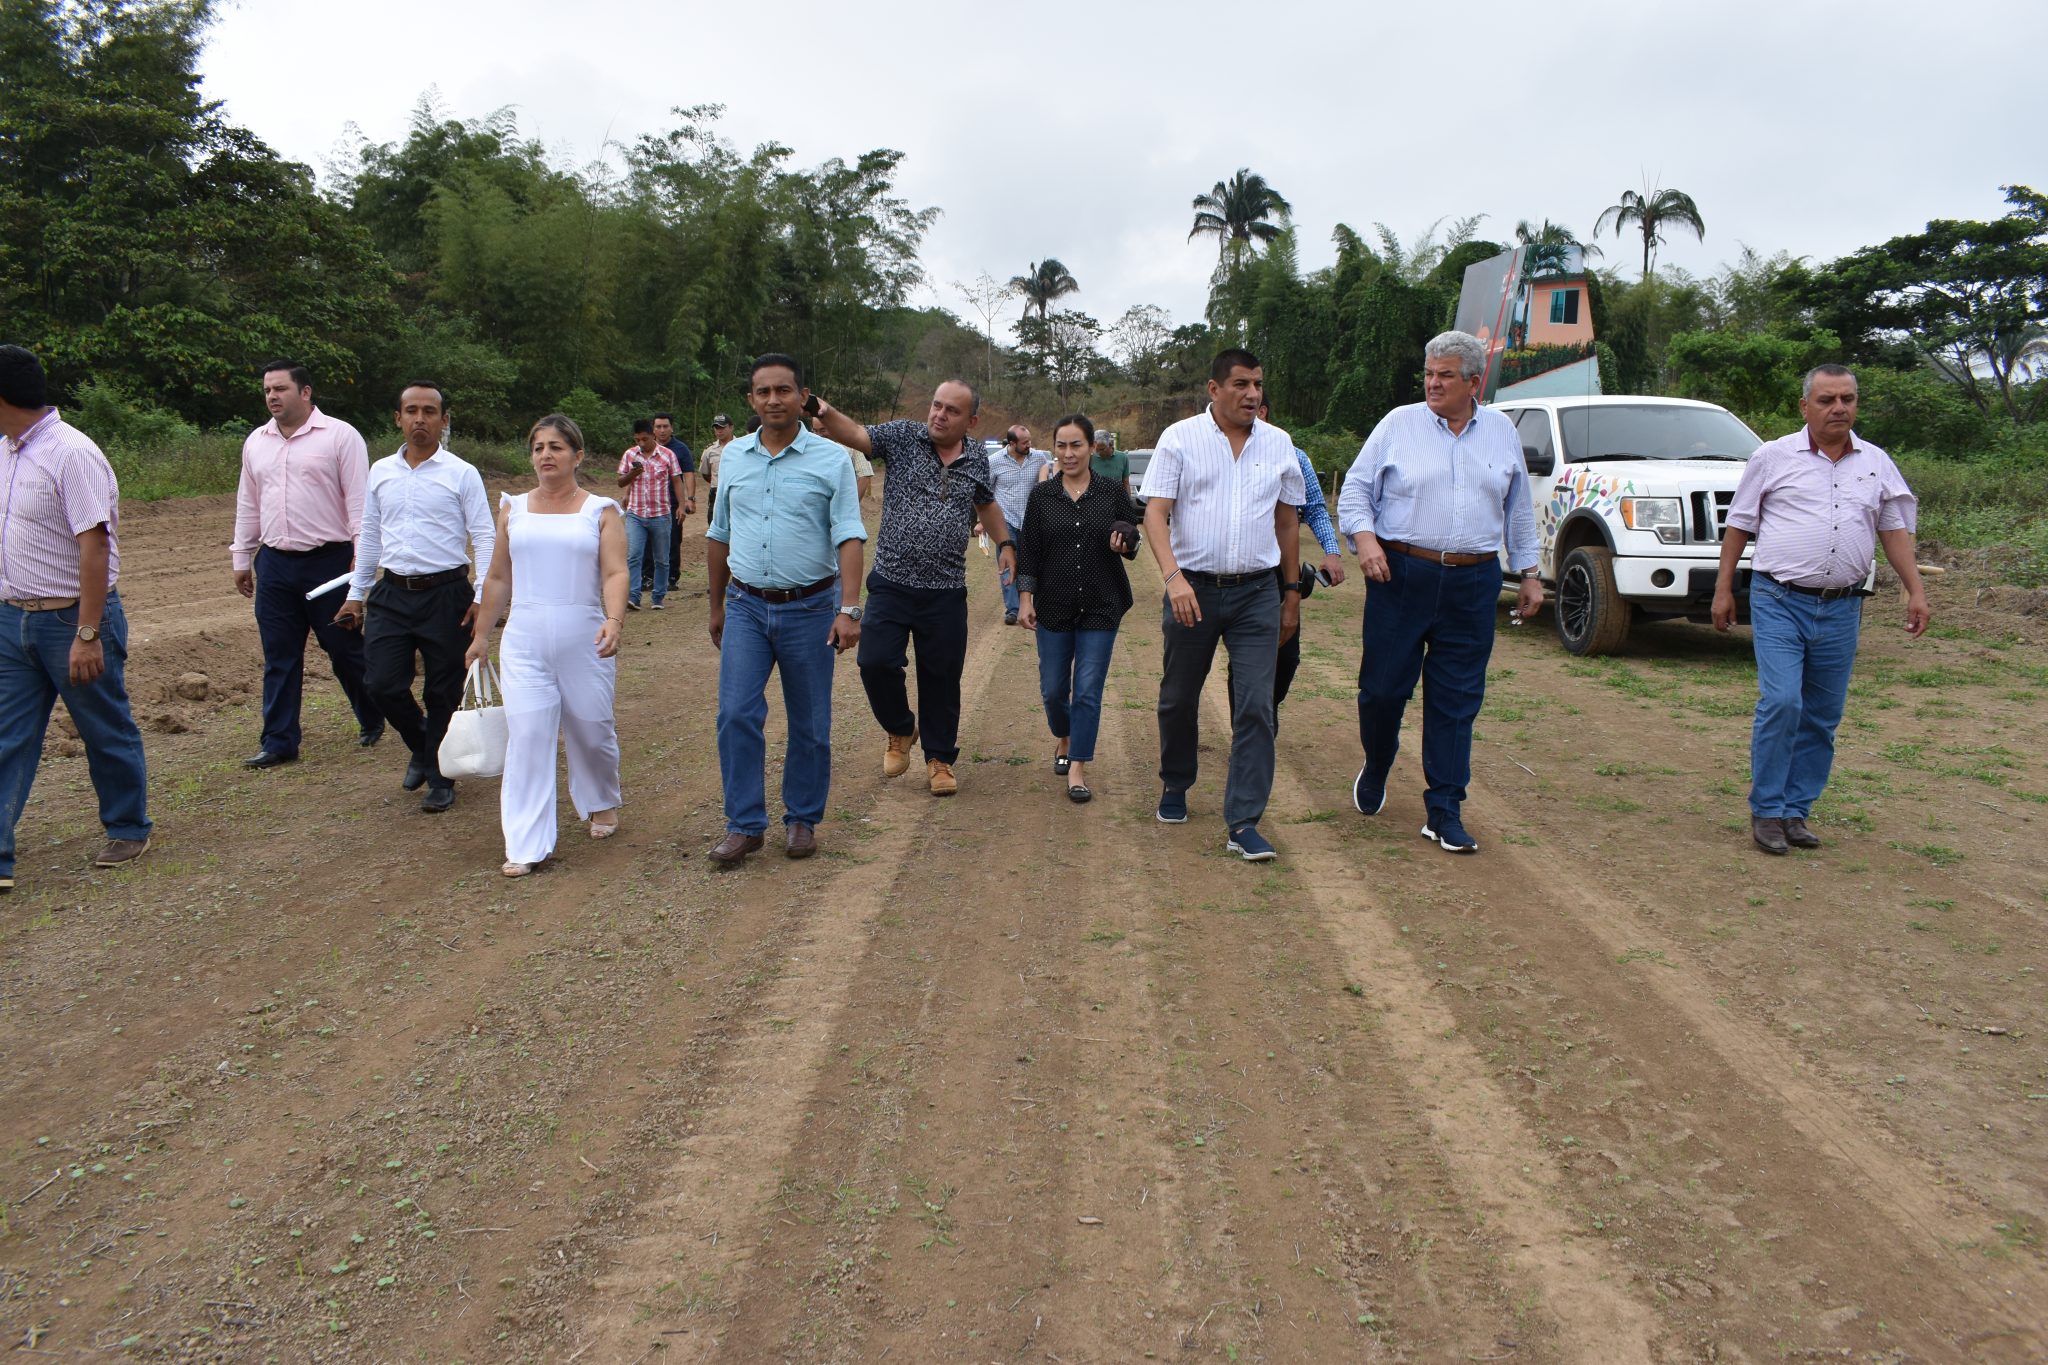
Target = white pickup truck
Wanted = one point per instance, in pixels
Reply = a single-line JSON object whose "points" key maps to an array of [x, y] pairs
{"points": [[1631, 497]]}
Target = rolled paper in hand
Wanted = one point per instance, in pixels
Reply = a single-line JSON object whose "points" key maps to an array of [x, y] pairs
{"points": [[330, 585]]}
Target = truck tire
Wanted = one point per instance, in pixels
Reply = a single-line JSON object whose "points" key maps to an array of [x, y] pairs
{"points": [[1591, 615]]}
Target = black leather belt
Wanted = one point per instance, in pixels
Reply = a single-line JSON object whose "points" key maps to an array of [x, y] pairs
{"points": [[1824, 594], [1224, 580], [317, 549], [420, 582], [786, 594]]}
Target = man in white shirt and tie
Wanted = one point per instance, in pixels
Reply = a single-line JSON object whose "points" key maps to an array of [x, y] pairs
{"points": [[424, 512], [1228, 485]]}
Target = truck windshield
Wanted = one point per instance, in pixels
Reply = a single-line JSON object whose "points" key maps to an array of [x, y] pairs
{"points": [[1653, 431]]}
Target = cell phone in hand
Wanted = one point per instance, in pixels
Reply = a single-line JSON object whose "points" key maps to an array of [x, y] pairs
{"points": [[812, 406]]}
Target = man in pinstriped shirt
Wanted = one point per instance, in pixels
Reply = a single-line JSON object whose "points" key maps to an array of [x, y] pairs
{"points": [[1818, 503], [1220, 497]]}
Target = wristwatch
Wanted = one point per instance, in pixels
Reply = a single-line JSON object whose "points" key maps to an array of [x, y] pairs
{"points": [[88, 633], [851, 613], [1528, 574]]}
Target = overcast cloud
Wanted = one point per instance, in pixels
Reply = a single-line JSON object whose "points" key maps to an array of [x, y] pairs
{"points": [[1081, 131]]}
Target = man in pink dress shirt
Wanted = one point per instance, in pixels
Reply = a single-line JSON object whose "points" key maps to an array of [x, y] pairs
{"points": [[297, 512], [62, 633], [1818, 503]]}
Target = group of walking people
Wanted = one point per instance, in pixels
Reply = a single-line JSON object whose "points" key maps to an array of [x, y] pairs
{"points": [[374, 561]]}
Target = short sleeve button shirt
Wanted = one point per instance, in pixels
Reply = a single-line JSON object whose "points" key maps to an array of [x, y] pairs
{"points": [[57, 485], [1816, 520], [928, 508]]}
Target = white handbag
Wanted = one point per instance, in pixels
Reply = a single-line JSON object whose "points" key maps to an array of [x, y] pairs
{"points": [[475, 743]]}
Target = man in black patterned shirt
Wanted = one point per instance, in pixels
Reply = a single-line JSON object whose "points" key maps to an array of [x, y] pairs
{"points": [[935, 486]]}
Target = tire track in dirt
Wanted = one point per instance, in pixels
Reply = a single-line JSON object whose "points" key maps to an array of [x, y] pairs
{"points": [[1574, 932], [728, 1169], [1494, 1159], [1904, 1201]]}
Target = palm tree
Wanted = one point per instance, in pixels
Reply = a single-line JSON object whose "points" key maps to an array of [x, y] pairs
{"points": [[1045, 281], [1239, 213], [1651, 212], [1550, 248]]}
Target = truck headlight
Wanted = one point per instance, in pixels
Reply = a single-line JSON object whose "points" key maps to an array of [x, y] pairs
{"points": [[1660, 515]]}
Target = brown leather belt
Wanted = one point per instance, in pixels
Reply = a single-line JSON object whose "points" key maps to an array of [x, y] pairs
{"points": [[42, 603], [1446, 557], [786, 594]]}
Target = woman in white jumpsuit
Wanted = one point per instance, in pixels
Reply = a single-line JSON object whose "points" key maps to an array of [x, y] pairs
{"points": [[561, 561]]}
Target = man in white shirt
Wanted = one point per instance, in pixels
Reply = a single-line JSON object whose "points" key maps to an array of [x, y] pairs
{"points": [[1219, 514], [424, 511]]}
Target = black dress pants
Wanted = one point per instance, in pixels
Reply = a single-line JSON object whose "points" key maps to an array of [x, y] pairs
{"points": [[934, 622], [400, 625], [283, 620]]}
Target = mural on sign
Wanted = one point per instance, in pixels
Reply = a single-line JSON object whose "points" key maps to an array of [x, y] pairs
{"points": [[1532, 308]]}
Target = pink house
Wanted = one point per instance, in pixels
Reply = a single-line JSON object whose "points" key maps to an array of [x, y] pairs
{"points": [[1558, 312]]}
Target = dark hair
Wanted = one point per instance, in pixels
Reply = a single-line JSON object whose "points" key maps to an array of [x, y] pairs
{"points": [[667, 417], [302, 378], [1075, 419], [775, 360], [643, 426], [439, 392], [1236, 358], [973, 394], [753, 423], [22, 384], [555, 421]]}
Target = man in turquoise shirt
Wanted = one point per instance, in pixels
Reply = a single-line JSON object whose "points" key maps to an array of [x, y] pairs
{"points": [[784, 553]]}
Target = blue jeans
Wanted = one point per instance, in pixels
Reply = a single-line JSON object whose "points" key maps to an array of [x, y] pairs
{"points": [[1072, 666], [1011, 599], [1804, 650], [644, 535], [1433, 622], [35, 670], [795, 639]]}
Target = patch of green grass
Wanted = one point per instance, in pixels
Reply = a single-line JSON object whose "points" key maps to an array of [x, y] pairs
{"points": [[1939, 854]]}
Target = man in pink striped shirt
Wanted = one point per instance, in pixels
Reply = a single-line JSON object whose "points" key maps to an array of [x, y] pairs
{"points": [[1817, 503], [297, 511]]}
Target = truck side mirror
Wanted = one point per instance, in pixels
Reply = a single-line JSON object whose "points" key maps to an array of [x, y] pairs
{"points": [[1537, 461]]}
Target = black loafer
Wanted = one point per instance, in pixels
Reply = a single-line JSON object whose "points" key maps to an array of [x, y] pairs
{"points": [[1060, 764], [415, 773], [267, 759], [368, 738], [1079, 795], [438, 799]]}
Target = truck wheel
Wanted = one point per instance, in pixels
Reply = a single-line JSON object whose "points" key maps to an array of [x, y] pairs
{"points": [[1592, 617]]}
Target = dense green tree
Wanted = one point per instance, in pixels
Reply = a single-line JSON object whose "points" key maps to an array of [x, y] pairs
{"points": [[1969, 297], [1652, 213], [148, 242]]}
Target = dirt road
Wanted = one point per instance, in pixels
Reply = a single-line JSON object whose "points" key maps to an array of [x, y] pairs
{"points": [[1004, 1079]]}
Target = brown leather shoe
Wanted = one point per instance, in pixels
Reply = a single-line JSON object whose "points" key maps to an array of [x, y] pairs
{"points": [[733, 849], [940, 775], [896, 758], [1798, 835], [802, 841], [119, 851], [1769, 834]]}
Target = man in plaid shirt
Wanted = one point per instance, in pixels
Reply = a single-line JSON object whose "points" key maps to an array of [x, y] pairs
{"points": [[654, 497]]}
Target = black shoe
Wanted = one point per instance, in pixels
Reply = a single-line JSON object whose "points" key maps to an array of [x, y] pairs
{"points": [[267, 759], [415, 773], [1369, 791], [1769, 834], [368, 738], [438, 799], [1798, 835]]}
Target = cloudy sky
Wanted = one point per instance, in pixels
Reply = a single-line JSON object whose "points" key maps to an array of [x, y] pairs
{"points": [[1081, 131]]}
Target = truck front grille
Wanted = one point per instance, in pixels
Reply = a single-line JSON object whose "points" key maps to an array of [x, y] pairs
{"points": [[1710, 515]]}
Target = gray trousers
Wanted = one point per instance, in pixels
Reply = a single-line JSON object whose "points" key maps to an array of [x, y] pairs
{"points": [[1246, 618]]}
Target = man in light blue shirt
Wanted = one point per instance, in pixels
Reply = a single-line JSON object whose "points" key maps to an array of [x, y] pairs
{"points": [[1437, 491], [784, 555], [1015, 471]]}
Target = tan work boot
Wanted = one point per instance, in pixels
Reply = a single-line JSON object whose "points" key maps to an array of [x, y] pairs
{"points": [[896, 758], [943, 782]]}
